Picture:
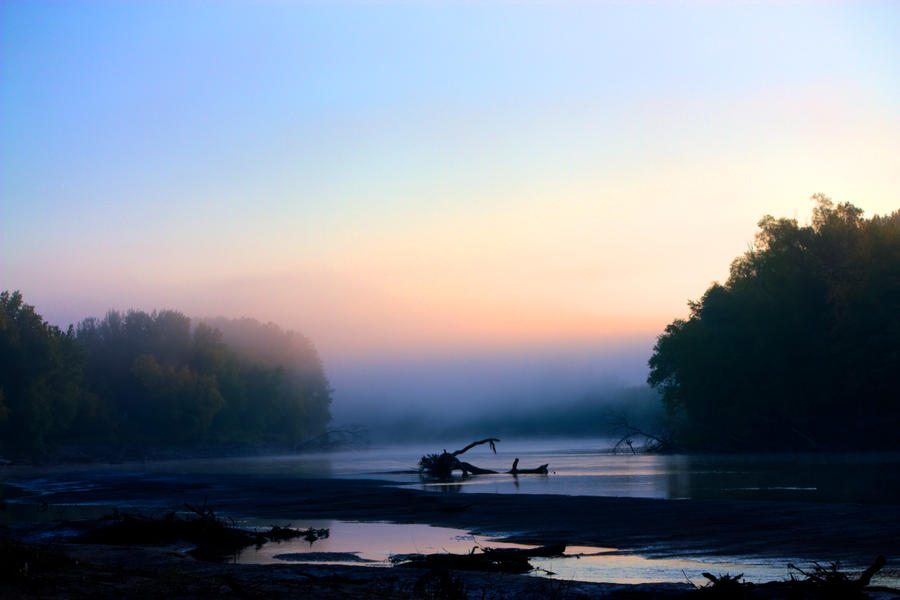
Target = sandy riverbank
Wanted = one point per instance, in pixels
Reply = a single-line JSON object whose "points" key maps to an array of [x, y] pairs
{"points": [[852, 533], [101, 572]]}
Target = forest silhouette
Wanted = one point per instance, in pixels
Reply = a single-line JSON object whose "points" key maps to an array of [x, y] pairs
{"points": [[153, 380], [800, 348]]}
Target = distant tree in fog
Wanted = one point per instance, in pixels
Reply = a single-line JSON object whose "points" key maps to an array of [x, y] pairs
{"points": [[282, 364], [150, 378], [167, 382]]}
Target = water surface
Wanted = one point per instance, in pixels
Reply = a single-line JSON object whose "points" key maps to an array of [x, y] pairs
{"points": [[577, 467], [373, 544]]}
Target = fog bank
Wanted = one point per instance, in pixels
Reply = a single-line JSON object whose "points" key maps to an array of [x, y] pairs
{"points": [[537, 391]]}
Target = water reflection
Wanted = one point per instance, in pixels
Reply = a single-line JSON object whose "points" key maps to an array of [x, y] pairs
{"points": [[820, 477], [577, 467], [849, 477], [373, 544], [453, 485]]}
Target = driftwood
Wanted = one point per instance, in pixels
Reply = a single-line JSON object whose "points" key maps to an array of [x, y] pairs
{"points": [[280, 534], [506, 560], [830, 581], [442, 465], [214, 538], [541, 470], [819, 583], [651, 443]]}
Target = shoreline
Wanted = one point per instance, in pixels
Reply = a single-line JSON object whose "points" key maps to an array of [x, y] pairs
{"points": [[148, 573], [851, 533]]}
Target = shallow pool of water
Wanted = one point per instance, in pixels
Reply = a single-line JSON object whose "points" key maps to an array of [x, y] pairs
{"points": [[373, 544]]}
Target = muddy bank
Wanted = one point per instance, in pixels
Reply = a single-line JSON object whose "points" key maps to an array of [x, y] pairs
{"points": [[151, 573], [72, 571], [852, 533]]}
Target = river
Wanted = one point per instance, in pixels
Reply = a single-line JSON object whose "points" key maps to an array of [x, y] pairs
{"points": [[576, 467], [584, 467]]}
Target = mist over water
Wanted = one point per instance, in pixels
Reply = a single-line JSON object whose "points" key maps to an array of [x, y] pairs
{"points": [[404, 397]]}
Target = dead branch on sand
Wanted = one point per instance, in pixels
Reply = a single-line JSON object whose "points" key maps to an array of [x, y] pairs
{"points": [[502, 560], [831, 582]]}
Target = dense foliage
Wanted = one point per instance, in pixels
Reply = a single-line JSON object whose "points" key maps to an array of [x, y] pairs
{"points": [[800, 348], [154, 380], [40, 377]]}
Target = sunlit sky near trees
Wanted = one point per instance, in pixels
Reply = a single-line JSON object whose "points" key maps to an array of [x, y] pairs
{"points": [[407, 177]]}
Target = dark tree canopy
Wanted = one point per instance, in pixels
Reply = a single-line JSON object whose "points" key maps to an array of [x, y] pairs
{"points": [[155, 380], [800, 348], [40, 377]]}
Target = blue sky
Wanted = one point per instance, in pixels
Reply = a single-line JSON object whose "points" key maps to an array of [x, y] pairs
{"points": [[419, 175]]}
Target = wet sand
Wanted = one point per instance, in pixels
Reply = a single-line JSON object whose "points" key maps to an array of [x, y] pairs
{"points": [[100, 572], [852, 533]]}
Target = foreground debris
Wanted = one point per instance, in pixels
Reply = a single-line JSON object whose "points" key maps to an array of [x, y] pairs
{"points": [[503, 560], [831, 582], [819, 583], [52, 570], [98, 572], [442, 465], [214, 538], [652, 443]]}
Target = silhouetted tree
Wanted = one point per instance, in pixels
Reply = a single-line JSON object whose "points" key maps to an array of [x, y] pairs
{"points": [[40, 377], [800, 348]]}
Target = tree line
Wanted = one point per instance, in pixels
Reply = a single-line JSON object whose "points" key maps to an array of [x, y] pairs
{"points": [[799, 348], [155, 380]]}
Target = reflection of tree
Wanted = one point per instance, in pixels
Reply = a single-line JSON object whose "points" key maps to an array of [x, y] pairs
{"points": [[449, 487], [800, 348], [428, 483], [678, 476]]}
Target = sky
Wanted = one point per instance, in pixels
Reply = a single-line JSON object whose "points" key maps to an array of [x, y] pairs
{"points": [[435, 178]]}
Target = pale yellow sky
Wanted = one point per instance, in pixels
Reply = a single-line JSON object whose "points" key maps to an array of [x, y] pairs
{"points": [[562, 176]]}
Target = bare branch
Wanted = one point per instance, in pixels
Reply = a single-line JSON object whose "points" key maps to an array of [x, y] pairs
{"points": [[473, 444]]}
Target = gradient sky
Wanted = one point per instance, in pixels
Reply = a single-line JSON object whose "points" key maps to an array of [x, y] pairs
{"points": [[427, 176]]}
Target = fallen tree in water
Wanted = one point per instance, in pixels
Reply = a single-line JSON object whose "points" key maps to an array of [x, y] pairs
{"points": [[442, 465], [504, 560]]}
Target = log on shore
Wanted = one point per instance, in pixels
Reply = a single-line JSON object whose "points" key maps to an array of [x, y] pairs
{"points": [[503, 560]]}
